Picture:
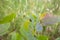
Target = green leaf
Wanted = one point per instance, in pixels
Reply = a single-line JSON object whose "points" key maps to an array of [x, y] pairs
{"points": [[15, 36], [4, 28], [8, 18], [26, 32], [27, 35], [58, 38], [42, 37]]}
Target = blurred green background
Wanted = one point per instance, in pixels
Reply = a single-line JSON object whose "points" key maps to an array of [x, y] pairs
{"points": [[20, 20]]}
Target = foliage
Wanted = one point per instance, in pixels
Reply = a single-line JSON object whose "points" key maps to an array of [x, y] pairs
{"points": [[26, 19]]}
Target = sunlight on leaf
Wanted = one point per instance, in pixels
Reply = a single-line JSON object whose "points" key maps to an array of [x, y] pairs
{"points": [[8, 18]]}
